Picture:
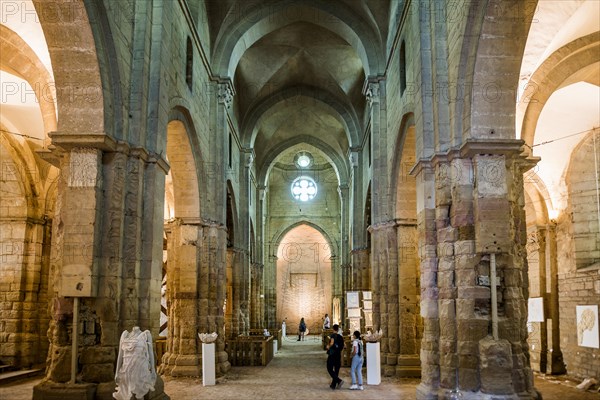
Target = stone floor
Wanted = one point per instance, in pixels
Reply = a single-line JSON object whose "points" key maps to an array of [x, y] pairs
{"points": [[298, 372]]}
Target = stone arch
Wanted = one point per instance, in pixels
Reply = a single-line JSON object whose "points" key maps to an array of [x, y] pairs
{"points": [[25, 64], [339, 164], [582, 184], [332, 245], [408, 121], [344, 113], [304, 274], [183, 157], [554, 71], [238, 34], [486, 99], [79, 91]]}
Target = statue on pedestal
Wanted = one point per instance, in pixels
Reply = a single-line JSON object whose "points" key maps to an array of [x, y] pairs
{"points": [[135, 373]]}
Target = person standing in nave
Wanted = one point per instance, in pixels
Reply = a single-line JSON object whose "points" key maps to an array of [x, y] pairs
{"points": [[301, 329], [327, 322], [357, 362]]}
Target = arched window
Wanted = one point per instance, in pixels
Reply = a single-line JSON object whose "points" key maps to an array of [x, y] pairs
{"points": [[402, 68]]}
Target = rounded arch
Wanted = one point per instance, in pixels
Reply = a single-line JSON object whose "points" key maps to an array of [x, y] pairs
{"points": [[537, 196], [338, 163], [238, 34], [344, 113], [490, 78], [551, 75], [404, 197], [185, 167], [25, 64], [17, 184], [79, 91], [408, 121], [278, 237]]}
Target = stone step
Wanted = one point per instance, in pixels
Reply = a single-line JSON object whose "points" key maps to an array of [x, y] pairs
{"points": [[12, 376]]}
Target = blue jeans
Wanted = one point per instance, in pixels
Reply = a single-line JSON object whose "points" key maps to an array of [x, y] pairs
{"points": [[356, 369]]}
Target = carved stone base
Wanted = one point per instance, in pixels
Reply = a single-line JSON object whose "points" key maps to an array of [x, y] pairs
{"points": [[48, 390], [409, 366], [425, 392]]}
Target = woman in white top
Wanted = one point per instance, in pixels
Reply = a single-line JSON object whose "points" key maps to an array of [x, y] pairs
{"points": [[357, 362]]}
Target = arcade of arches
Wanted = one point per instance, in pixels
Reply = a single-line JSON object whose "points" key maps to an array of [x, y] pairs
{"points": [[204, 165]]}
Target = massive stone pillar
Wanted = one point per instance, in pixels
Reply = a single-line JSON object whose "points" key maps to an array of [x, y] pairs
{"points": [[384, 256], [478, 215], [410, 322], [256, 309], [107, 251], [183, 356], [360, 269]]}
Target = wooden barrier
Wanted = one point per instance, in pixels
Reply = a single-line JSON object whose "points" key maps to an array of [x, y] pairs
{"points": [[249, 350]]}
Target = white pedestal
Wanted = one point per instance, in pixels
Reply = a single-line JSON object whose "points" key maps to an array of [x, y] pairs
{"points": [[275, 346], [208, 364], [373, 364]]}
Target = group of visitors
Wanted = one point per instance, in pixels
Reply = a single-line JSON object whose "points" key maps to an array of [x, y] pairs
{"points": [[334, 354], [334, 359]]}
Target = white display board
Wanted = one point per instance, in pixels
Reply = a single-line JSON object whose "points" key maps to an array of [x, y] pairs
{"points": [[535, 307], [587, 326], [354, 313], [352, 300]]}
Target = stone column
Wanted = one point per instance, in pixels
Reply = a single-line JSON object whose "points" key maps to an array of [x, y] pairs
{"points": [[107, 249], [384, 258], [256, 321], [427, 218], [183, 356], [555, 363], [479, 211], [343, 257], [410, 322], [213, 288], [538, 340]]}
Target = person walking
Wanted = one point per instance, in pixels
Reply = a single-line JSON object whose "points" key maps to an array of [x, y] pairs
{"points": [[301, 329], [334, 358], [357, 362]]}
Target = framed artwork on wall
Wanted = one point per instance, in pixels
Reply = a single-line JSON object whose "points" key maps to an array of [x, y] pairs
{"points": [[352, 300], [587, 326]]}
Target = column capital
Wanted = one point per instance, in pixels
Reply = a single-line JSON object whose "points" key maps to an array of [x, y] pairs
{"points": [[249, 157], [371, 88], [225, 92]]}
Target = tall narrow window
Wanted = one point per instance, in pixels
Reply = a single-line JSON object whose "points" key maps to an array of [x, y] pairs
{"points": [[402, 68], [189, 63]]}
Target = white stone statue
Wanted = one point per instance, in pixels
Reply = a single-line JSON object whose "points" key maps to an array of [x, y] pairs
{"points": [[135, 373]]}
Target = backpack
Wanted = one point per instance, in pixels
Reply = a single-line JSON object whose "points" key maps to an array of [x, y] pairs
{"points": [[338, 345], [360, 346]]}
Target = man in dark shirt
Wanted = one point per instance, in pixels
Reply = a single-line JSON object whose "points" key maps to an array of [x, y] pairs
{"points": [[334, 357]]}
